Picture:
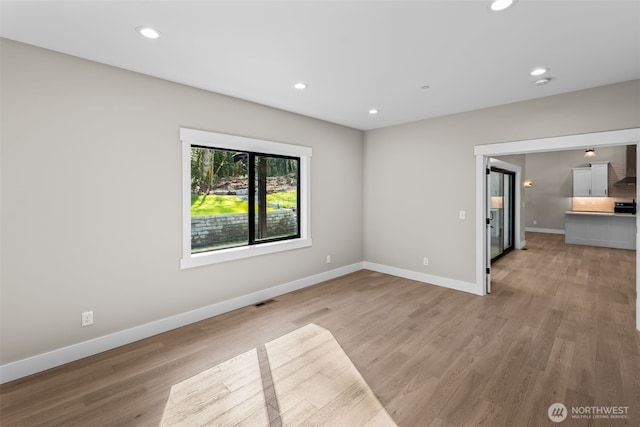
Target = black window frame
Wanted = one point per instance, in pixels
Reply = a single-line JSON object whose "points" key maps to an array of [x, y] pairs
{"points": [[252, 200]]}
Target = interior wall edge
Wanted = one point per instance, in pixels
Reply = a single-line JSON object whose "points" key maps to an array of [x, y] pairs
{"points": [[51, 359]]}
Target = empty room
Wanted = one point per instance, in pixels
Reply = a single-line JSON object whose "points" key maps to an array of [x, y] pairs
{"points": [[331, 213]]}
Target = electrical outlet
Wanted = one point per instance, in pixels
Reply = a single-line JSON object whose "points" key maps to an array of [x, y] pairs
{"points": [[425, 261], [328, 259], [87, 318], [535, 222], [463, 215]]}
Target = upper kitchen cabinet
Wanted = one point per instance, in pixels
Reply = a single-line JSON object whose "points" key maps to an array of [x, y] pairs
{"points": [[599, 179], [592, 181], [581, 182]]}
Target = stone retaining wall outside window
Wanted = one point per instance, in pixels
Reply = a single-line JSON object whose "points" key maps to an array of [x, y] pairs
{"points": [[207, 232]]}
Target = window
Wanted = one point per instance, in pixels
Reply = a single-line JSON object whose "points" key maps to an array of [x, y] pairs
{"points": [[242, 197], [228, 188]]}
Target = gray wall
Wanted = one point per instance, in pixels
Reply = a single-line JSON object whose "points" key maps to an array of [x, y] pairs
{"points": [[91, 193], [419, 175]]}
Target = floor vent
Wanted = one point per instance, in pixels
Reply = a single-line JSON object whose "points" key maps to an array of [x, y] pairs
{"points": [[265, 302]]}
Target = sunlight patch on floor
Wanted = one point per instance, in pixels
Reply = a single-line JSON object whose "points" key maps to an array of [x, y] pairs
{"points": [[229, 393], [307, 380]]}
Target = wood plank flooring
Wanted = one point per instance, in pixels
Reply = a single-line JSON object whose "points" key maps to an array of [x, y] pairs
{"points": [[303, 378], [558, 327], [316, 384]]}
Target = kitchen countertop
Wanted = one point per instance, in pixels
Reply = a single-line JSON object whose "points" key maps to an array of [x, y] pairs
{"points": [[599, 213]]}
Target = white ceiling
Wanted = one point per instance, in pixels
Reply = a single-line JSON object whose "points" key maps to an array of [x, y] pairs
{"points": [[355, 55]]}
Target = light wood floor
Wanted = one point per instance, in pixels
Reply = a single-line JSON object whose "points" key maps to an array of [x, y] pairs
{"points": [[558, 327], [303, 378]]}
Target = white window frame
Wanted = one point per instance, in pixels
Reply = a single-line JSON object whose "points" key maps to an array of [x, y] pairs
{"points": [[189, 137]]}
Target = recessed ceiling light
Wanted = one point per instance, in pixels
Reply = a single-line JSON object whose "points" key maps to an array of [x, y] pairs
{"points": [[539, 71], [373, 111], [301, 85], [498, 5], [148, 32], [542, 82]]}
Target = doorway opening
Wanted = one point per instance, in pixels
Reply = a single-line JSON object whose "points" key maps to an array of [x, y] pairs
{"points": [[502, 212], [579, 141]]}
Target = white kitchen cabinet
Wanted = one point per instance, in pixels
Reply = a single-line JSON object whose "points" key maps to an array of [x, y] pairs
{"points": [[592, 181], [581, 182], [599, 179], [608, 230]]}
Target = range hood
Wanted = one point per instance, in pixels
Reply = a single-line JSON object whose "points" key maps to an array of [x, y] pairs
{"points": [[630, 178]]}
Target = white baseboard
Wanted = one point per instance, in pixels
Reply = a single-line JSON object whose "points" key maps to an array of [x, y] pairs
{"points": [[51, 359], [544, 230], [445, 282]]}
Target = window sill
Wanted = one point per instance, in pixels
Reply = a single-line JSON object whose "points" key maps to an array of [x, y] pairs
{"points": [[232, 254]]}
